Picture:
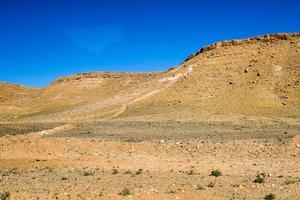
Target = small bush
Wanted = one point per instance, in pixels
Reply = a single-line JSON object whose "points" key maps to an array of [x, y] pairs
{"points": [[114, 171], [4, 195], [139, 172], [260, 178], [125, 192], [64, 178], [49, 168], [171, 192], [199, 187], [87, 173], [14, 171], [270, 197], [211, 184], [6, 173], [216, 173]]}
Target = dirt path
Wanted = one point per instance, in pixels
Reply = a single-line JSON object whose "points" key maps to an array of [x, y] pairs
{"points": [[170, 81], [55, 130]]}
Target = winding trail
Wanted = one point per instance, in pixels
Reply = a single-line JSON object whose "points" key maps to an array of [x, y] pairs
{"points": [[55, 130], [168, 82]]}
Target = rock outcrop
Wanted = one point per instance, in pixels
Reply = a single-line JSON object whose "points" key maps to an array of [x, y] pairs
{"points": [[262, 38]]}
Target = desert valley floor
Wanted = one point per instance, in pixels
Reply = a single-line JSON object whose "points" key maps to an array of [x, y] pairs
{"points": [[225, 124], [164, 160]]}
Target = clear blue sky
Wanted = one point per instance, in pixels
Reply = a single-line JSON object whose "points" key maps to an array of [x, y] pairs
{"points": [[43, 39]]}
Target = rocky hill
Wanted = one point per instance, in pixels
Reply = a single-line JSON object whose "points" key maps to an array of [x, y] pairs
{"points": [[256, 78]]}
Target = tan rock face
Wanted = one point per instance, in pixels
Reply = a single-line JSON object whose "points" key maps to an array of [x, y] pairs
{"points": [[264, 38]]}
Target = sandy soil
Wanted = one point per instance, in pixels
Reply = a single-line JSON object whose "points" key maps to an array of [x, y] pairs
{"points": [[90, 162]]}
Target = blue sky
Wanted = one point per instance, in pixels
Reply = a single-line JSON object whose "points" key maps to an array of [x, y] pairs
{"points": [[41, 40]]}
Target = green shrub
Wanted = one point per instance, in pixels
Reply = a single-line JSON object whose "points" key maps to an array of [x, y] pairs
{"points": [[260, 178], [88, 173], [199, 187], [270, 197], [216, 173], [114, 171], [4, 195], [211, 184], [139, 172], [125, 192]]}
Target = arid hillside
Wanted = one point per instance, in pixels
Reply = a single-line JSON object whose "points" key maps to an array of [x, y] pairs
{"points": [[83, 96], [254, 78], [15, 98]]}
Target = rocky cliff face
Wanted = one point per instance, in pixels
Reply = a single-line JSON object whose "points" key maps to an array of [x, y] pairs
{"points": [[103, 75], [271, 38]]}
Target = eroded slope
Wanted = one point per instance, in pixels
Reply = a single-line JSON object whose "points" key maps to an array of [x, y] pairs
{"points": [[257, 77]]}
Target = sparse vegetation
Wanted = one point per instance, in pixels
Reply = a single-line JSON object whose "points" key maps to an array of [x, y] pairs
{"points": [[211, 184], [199, 187], [114, 171], [216, 173], [260, 178], [139, 172], [14, 171], [6, 173], [49, 168], [128, 172], [171, 192], [191, 172], [125, 192], [133, 140], [4, 195], [270, 196], [20, 129], [288, 182], [88, 173]]}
